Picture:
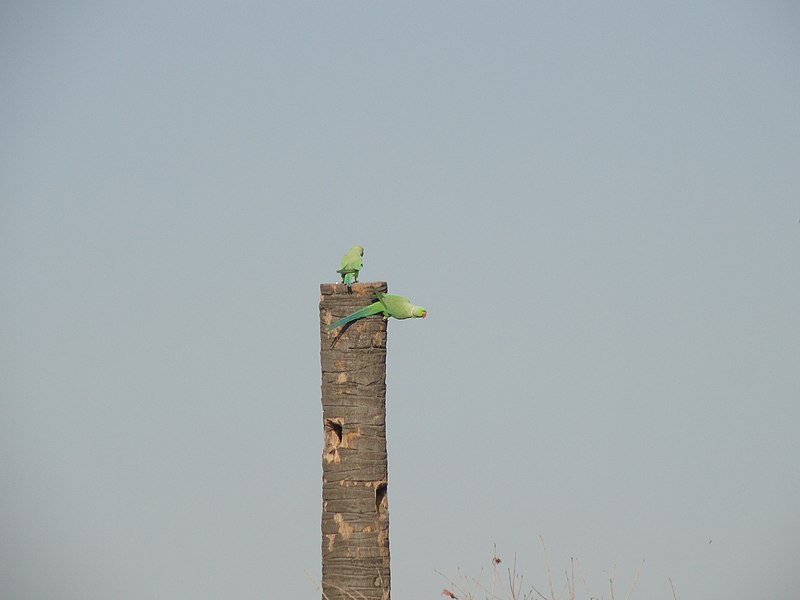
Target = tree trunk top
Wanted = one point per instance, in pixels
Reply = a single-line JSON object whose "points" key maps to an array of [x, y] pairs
{"points": [[359, 289]]}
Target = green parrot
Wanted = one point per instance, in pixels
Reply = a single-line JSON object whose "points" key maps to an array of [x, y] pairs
{"points": [[390, 305], [352, 263]]}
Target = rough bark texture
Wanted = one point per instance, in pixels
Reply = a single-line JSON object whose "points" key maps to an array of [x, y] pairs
{"points": [[355, 515]]}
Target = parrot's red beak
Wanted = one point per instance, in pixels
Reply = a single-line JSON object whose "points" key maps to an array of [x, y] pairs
{"points": [[424, 314]]}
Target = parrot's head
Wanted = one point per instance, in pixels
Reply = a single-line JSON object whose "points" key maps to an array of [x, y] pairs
{"points": [[419, 312], [359, 249]]}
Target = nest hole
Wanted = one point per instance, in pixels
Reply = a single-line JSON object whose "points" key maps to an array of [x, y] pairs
{"points": [[333, 432], [381, 501]]}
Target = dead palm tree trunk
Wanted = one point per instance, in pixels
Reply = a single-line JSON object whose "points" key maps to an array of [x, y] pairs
{"points": [[355, 516]]}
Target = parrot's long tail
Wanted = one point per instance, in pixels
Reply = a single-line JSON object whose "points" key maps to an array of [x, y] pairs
{"points": [[349, 278], [372, 309]]}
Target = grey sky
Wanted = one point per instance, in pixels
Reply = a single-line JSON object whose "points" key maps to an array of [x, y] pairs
{"points": [[598, 204]]}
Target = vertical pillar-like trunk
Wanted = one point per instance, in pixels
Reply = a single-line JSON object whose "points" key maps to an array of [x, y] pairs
{"points": [[355, 516]]}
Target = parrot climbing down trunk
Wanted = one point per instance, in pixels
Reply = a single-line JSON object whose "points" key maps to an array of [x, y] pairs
{"points": [[390, 305], [352, 263]]}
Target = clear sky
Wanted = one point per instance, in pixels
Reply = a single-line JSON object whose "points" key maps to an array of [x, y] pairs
{"points": [[597, 203]]}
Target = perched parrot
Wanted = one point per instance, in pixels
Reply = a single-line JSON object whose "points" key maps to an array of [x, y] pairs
{"points": [[352, 263], [390, 305]]}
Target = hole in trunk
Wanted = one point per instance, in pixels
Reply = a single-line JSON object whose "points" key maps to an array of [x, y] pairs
{"points": [[333, 433], [381, 501]]}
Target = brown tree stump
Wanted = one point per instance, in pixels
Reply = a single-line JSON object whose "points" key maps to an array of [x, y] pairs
{"points": [[355, 515]]}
